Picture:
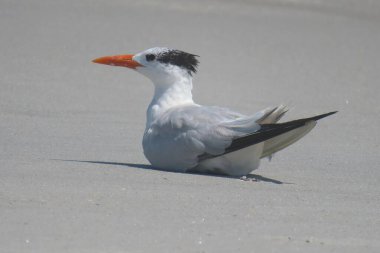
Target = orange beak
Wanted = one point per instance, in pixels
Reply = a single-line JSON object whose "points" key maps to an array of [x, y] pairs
{"points": [[119, 60]]}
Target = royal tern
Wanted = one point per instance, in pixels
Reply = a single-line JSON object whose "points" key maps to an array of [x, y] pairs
{"points": [[183, 136]]}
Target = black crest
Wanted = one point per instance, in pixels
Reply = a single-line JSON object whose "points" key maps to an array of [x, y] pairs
{"points": [[180, 59]]}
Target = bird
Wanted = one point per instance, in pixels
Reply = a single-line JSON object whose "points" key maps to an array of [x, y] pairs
{"points": [[183, 136]]}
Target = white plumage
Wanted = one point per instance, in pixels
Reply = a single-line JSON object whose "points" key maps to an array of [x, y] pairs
{"points": [[181, 135]]}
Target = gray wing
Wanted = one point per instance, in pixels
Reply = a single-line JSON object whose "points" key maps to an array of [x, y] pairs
{"points": [[187, 132], [282, 134]]}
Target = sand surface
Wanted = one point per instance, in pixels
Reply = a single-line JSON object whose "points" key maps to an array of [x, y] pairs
{"points": [[73, 177]]}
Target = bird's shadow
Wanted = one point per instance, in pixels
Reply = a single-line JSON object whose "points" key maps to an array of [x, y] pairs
{"points": [[249, 177]]}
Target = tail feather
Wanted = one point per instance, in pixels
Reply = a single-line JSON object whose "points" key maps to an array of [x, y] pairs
{"points": [[274, 136], [282, 141], [273, 115]]}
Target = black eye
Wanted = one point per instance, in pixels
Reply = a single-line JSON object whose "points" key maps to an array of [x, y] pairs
{"points": [[150, 57]]}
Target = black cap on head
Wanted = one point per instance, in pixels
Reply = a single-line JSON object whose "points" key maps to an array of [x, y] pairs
{"points": [[180, 59]]}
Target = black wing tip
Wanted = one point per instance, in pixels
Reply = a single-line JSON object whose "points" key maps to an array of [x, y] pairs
{"points": [[318, 117], [266, 132]]}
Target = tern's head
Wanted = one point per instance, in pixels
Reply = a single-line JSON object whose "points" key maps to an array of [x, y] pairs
{"points": [[158, 64]]}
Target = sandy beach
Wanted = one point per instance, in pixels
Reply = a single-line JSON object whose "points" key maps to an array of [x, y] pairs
{"points": [[73, 177]]}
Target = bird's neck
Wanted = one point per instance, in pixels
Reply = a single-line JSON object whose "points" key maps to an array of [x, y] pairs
{"points": [[168, 95]]}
